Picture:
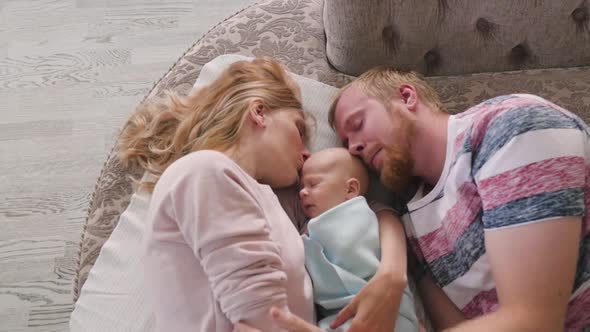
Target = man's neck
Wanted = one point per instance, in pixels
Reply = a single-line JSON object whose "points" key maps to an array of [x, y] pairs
{"points": [[429, 147]]}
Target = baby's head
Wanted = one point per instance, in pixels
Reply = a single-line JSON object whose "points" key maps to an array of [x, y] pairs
{"points": [[330, 177]]}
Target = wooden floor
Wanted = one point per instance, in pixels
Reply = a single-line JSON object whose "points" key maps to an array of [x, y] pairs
{"points": [[70, 73]]}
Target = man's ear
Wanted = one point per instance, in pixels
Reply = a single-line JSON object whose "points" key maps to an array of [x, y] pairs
{"points": [[353, 188], [409, 96], [257, 113]]}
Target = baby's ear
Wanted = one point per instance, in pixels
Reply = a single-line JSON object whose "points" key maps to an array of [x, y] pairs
{"points": [[353, 188]]}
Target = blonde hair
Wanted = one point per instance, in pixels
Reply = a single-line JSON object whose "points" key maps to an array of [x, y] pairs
{"points": [[160, 132], [383, 83]]}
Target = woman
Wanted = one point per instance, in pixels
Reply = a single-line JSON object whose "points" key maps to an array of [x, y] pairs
{"points": [[220, 249]]}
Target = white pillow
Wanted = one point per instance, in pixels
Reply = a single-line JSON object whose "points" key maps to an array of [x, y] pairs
{"points": [[316, 96], [112, 297]]}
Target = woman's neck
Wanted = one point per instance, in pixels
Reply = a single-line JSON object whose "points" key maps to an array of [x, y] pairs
{"points": [[243, 155]]}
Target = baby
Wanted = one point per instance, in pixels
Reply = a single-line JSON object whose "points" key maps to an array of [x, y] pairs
{"points": [[342, 250]]}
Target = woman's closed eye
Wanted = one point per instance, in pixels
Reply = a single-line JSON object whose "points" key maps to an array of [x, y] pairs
{"points": [[302, 128]]}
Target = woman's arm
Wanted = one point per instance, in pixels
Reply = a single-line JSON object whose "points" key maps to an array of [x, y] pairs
{"points": [[220, 218], [376, 306]]}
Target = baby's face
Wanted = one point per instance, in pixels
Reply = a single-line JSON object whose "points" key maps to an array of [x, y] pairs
{"points": [[322, 187]]}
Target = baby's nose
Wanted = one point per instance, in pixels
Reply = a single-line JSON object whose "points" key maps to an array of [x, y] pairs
{"points": [[302, 192]]}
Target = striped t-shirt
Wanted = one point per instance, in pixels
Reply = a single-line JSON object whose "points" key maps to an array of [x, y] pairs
{"points": [[510, 161]]}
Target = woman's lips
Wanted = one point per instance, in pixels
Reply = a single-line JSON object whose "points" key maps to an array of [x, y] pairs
{"points": [[300, 163]]}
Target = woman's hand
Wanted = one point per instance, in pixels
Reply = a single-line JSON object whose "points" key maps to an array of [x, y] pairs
{"points": [[285, 320], [376, 306], [292, 323]]}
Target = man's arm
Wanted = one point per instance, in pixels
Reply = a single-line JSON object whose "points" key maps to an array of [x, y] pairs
{"points": [[393, 246], [372, 308], [440, 309], [529, 166], [534, 267]]}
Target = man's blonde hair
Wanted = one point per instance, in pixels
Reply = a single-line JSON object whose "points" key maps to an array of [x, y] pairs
{"points": [[160, 132], [383, 83]]}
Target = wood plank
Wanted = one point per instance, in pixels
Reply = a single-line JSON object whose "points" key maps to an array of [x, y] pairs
{"points": [[14, 313], [38, 292], [71, 71], [49, 317], [59, 69]]}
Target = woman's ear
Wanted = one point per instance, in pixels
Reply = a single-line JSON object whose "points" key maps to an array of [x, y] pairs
{"points": [[409, 96], [257, 113], [353, 188]]}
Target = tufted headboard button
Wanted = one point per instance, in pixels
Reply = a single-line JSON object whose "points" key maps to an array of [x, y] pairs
{"points": [[580, 15], [520, 54], [390, 39], [581, 19], [432, 59], [485, 27]]}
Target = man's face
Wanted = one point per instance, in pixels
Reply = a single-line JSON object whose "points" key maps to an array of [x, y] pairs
{"points": [[380, 136]]}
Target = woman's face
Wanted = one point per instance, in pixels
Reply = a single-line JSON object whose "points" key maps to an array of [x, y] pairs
{"points": [[286, 153]]}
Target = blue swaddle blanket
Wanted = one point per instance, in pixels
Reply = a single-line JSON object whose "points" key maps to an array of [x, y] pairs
{"points": [[342, 253]]}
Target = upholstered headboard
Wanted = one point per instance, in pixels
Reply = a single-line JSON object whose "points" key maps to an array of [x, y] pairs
{"points": [[452, 37]]}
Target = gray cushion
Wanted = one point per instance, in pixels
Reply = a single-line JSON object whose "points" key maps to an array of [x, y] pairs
{"points": [[447, 37]]}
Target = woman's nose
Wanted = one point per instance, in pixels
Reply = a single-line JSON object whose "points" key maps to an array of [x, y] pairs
{"points": [[305, 154]]}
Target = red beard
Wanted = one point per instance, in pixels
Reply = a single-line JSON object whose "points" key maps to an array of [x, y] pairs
{"points": [[396, 173], [398, 164]]}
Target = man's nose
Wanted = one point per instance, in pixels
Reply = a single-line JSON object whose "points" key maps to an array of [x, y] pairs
{"points": [[356, 149]]}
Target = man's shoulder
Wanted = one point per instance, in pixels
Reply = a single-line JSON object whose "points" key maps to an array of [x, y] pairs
{"points": [[518, 98], [526, 124], [512, 115], [504, 102], [510, 101]]}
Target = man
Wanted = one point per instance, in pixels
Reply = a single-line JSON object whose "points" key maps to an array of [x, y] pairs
{"points": [[498, 224]]}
